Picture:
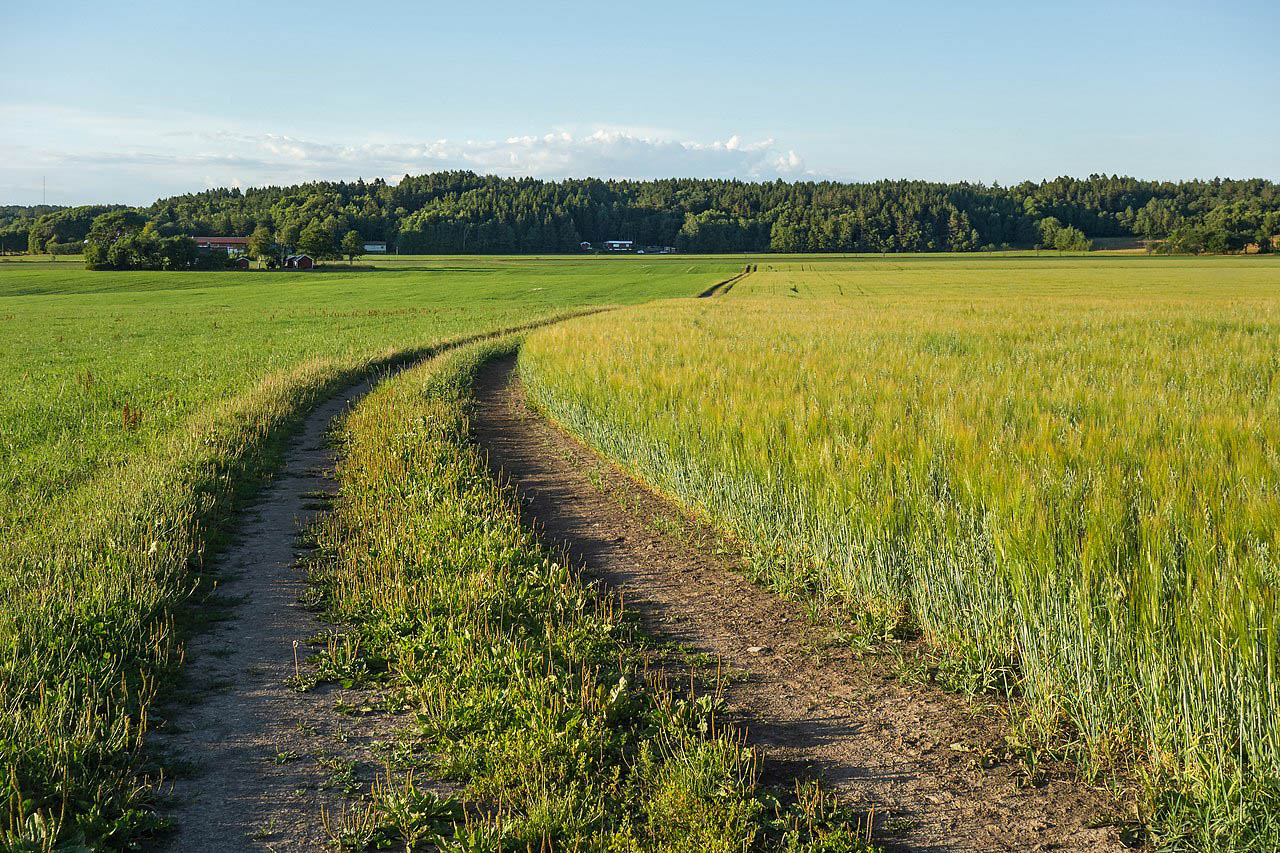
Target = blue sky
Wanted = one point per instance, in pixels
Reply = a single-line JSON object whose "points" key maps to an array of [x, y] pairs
{"points": [[130, 101]]}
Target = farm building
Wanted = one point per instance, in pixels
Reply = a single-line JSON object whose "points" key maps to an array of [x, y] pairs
{"points": [[584, 246], [299, 262], [241, 263], [619, 245], [375, 247], [233, 245]]}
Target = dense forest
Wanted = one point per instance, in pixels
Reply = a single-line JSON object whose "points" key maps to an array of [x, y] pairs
{"points": [[466, 212]]}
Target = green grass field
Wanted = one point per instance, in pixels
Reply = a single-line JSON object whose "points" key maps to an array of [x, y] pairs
{"points": [[138, 409], [1060, 472]]}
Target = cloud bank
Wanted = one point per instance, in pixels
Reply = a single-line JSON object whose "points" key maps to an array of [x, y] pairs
{"points": [[180, 159], [603, 153]]}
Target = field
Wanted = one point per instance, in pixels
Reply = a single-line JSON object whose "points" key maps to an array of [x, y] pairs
{"points": [[1056, 474], [139, 408], [1061, 474]]}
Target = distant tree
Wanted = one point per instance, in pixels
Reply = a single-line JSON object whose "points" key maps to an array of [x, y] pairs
{"points": [[1049, 228], [56, 249], [1071, 239], [66, 225], [316, 241], [261, 246], [287, 236], [1263, 239], [39, 235], [352, 246], [1157, 219], [178, 253], [110, 227], [1186, 238]]}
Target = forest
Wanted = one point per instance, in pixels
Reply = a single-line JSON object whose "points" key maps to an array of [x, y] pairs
{"points": [[462, 212]]}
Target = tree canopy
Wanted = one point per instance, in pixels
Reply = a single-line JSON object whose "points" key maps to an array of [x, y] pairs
{"points": [[465, 212]]}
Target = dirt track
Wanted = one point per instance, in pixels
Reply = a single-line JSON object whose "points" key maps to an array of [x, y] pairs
{"points": [[810, 705], [266, 757]]}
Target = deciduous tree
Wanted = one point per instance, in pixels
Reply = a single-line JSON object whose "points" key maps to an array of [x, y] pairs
{"points": [[352, 246]]}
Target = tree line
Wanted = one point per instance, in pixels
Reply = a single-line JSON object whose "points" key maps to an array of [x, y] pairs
{"points": [[462, 212]]}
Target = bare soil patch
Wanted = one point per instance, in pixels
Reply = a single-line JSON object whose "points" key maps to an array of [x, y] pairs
{"points": [[923, 759]]}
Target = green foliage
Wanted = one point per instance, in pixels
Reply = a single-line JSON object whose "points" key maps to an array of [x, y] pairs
{"points": [[287, 236], [461, 212], [56, 249], [65, 225], [1061, 475], [144, 250], [1071, 239], [15, 224], [261, 245], [317, 241], [116, 224], [352, 245]]}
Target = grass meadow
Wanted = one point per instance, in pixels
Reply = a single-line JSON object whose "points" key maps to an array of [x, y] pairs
{"points": [[138, 410], [1061, 473]]}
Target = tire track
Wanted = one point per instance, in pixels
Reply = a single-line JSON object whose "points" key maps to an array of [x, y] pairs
{"points": [[920, 757]]}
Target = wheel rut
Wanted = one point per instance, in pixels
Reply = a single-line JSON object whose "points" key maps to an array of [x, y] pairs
{"points": [[264, 758], [913, 754]]}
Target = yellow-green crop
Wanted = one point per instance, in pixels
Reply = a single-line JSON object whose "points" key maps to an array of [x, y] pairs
{"points": [[1063, 473]]}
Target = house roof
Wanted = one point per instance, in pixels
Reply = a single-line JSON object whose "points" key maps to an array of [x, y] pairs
{"points": [[244, 240]]}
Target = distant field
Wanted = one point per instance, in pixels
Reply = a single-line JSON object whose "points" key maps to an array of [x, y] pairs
{"points": [[1061, 472], [81, 346]]}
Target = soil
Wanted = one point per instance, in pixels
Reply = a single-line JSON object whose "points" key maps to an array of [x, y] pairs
{"points": [[912, 755], [262, 757]]}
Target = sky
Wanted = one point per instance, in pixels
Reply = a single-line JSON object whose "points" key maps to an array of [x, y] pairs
{"points": [[127, 102]]}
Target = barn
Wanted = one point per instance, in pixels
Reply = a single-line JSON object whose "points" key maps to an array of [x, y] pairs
{"points": [[233, 245], [299, 262], [619, 245]]}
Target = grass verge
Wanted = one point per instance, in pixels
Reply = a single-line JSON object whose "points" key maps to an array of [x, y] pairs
{"points": [[92, 610]]}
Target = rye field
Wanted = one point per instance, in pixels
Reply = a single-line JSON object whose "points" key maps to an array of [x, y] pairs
{"points": [[1061, 474], [1053, 477]]}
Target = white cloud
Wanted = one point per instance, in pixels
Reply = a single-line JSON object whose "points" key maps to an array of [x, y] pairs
{"points": [[602, 153], [185, 156]]}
